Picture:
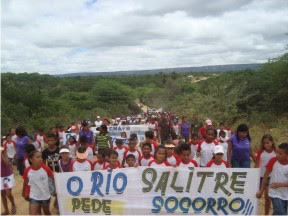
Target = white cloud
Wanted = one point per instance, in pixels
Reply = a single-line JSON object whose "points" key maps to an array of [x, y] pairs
{"points": [[110, 35]]}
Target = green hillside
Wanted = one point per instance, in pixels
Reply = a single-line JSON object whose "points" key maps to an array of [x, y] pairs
{"points": [[254, 96]]}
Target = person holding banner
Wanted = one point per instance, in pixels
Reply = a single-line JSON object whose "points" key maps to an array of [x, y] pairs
{"points": [[146, 154], [217, 162], [113, 161]]}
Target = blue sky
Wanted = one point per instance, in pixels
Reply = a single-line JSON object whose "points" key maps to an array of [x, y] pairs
{"points": [[110, 35]]}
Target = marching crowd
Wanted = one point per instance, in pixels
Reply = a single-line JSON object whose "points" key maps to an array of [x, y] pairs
{"points": [[169, 141]]}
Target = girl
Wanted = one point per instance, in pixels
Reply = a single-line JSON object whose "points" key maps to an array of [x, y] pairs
{"points": [[239, 148], [72, 146], [65, 161], [22, 140], [263, 155], [146, 154], [160, 157], [10, 146], [88, 133], [172, 158], [7, 183], [37, 176], [206, 147]]}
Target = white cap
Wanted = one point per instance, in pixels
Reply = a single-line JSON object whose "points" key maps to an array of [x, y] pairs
{"points": [[64, 150], [218, 149]]}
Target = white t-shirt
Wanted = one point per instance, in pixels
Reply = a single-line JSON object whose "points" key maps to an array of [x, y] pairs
{"points": [[206, 150], [218, 131], [225, 148], [40, 139], [11, 148], [172, 160], [212, 163], [191, 163], [279, 173], [136, 153], [38, 181], [72, 149], [193, 150], [98, 123], [98, 166], [120, 153], [264, 157], [77, 166], [90, 153], [176, 129], [62, 137], [153, 163], [145, 161]]}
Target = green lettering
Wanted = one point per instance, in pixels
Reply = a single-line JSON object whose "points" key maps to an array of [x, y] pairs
{"points": [[172, 185], [146, 181], [203, 175], [220, 182], [238, 183], [162, 184], [188, 186]]}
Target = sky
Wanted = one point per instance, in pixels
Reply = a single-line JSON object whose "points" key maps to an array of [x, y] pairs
{"points": [[67, 36]]}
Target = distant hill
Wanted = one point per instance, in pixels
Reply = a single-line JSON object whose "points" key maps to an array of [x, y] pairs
{"points": [[205, 69]]}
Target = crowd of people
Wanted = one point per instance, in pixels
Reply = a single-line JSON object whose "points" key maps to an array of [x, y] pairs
{"points": [[169, 141]]}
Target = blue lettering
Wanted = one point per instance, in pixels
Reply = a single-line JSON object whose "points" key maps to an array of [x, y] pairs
{"points": [[195, 201], [182, 201], [211, 204], [124, 178], [222, 203], [236, 200], [157, 207], [171, 199], [108, 181], [97, 179], [72, 179]]}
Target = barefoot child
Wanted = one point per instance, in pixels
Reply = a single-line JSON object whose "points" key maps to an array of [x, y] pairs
{"points": [[37, 176], [7, 183], [278, 192]]}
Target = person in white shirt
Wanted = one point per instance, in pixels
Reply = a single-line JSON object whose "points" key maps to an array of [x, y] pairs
{"points": [[217, 162], [98, 122], [278, 192], [81, 163]]}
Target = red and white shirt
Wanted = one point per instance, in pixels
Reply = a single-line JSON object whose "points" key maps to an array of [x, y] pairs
{"points": [[136, 153], [190, 163], [153, 163], [41, 140], [206, 150], [144, 161], [222, 164], [38, 182], [225, 148], [77, 166], [109, 167], [72, 149], [10, 148], [98, 166], [279, 173], [26, 162], [173, 159], [120, 152], [263, 157]]}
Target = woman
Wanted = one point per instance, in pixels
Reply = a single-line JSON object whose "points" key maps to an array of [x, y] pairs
{"points": [[239, 148], [21, 141], [103, 138], [87, 132], [185, 129]]}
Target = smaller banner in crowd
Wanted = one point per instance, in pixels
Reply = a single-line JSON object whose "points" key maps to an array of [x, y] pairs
{"points": [[161, 190]]}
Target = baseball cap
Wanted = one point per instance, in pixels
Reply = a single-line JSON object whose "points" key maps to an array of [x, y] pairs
{"points": [[218, 149], [208, 122], [81, 152], [64, 150]]}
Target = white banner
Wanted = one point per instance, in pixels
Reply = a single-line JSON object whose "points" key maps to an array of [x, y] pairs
{"points": [[167, 190]]}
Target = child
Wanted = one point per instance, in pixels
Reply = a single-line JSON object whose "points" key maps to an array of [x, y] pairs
{"points": [[65, 161], [193, 145], [120, 149], [131, 150], [186, 161], [221, 128], [217, 162], [99, 164], [223, 142], [149, 137], [28, 149], [40, 140], [229, 130], [146, 154], [7, 183], [89, 148], [72, 146], [81, 163], [172, 158], [160, 156], [113, 161], [206, 147], [263, 155], [278, 192], [10, 146], [130, 160], [51, 154], [37, 176]]}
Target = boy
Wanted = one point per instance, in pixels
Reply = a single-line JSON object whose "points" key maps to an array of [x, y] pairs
{"points": [[186, 161], [193, 145], [113, 161], [149, 137], [172, 158], [51, 154], [146, 154], [221, 128], [217, 162], [131, 150], [89, 148], [99, 164], [81, 164], [120, 149], [278, 192], [130, 160]]}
